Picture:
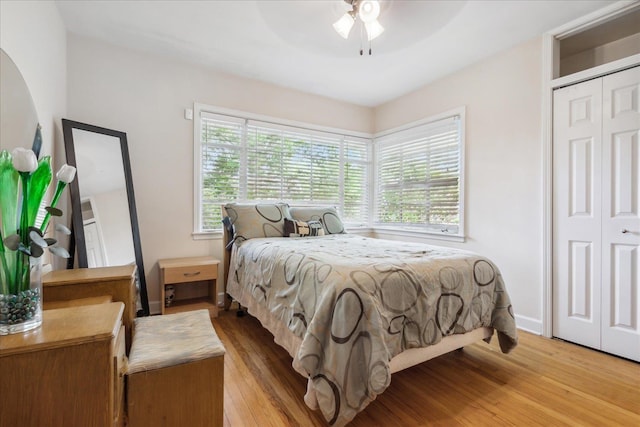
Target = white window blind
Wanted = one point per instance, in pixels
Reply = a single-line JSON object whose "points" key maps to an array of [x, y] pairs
{"points": [[220, 158], [355, 180], [285, 163], [248, 160], [418, 177]]}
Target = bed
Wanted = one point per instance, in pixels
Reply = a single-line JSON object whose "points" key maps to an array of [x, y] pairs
{"points": [[352, 310]]}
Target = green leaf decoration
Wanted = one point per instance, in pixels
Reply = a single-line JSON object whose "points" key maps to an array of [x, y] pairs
{"points": [[61, 228], [40, 180], [12, 242], [9, 183], [61, 252], [53, 211], [5, 273], [8, 194], [36, 250], [37, 240], [50, 241]]}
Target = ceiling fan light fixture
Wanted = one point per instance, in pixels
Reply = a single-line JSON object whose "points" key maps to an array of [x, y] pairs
{"points": [[374, 29], [344, 24], [368, 10]]}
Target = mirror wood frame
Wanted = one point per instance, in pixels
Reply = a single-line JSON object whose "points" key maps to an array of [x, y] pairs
{"points": [[77, 222]]}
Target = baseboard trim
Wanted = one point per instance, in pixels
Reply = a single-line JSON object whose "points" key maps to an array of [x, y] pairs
{"points": [[529, 324]]}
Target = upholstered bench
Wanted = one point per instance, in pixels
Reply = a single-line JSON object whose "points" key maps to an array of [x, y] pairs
{"points": [[175, 374]]}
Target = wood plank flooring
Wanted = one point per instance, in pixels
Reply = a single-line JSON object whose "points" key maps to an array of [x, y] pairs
{"points": [[542, 382]]}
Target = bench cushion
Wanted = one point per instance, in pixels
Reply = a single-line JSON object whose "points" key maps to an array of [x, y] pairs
{"points": [[173, 339]]}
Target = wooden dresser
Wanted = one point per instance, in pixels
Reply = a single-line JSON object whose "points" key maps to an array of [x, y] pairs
{"points": [[68, 372], [83, 283]]}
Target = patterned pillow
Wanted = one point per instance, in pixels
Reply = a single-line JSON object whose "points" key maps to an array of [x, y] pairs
{"points": [[328, 217], [252, 220], [294, 228]]}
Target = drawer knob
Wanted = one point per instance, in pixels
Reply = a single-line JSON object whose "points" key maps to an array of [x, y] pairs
{"points": [[191, 274]]}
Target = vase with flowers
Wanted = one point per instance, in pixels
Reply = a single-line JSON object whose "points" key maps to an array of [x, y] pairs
{"points": [[24, 181]]}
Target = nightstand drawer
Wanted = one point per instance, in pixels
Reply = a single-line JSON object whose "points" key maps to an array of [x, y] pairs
{"points": [[192, 273]]}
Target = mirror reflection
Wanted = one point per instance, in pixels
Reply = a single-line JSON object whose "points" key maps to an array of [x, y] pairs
{"points": [[103, 200], [105, 222]]}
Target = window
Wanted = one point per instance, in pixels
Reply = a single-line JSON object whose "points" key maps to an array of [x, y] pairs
{"points": [[248, 160], [418, 181]]}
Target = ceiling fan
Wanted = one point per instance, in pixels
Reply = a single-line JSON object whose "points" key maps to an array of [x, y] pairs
{"points": [[368, 12]]}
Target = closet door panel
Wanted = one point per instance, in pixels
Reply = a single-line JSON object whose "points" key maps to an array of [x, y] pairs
{"points": [[577, 212], [621, 214]]}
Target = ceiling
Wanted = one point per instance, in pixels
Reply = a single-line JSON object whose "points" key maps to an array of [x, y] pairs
{"points": [[293, 44]]}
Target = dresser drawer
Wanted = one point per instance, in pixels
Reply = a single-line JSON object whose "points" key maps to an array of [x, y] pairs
{"points": [[191, 273]]}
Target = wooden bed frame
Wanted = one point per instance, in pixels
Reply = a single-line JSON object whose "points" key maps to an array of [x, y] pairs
{"points": [[404, 360], [226, 261]]}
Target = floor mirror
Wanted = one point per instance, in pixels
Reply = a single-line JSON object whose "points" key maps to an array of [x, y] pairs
{"points": [[104, 217]]}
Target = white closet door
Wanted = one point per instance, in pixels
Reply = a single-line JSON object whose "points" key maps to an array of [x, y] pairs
{"points": [[577, 211], [620, 214]]}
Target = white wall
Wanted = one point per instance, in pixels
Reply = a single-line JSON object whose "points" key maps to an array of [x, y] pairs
{"points": [[503, 185], [145, 96], [33, 35]]}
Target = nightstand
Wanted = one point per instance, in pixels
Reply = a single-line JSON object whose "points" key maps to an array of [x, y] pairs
{"points": [[194, 280]]}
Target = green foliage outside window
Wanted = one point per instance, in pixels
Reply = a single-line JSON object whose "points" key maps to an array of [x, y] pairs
{"points": [[273, 165]]}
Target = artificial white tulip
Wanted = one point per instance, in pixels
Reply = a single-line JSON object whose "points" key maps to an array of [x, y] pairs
{"points": [[24, 160], [66, 173]]}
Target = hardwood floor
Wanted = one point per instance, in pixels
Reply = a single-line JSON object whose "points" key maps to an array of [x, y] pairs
{"points": [[542, 382]]}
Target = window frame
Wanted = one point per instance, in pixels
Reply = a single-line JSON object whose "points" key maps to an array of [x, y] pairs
{"points": [[425, 231], [372, 183], [199, 108]]}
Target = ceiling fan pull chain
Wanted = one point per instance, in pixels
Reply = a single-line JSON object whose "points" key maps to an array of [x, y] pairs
{"points": [[361, 48]]}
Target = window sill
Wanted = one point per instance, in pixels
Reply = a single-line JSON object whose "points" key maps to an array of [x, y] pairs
{"points": [[207, 235]]}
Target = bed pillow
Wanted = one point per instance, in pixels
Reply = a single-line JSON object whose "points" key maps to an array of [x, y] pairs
{"points": [[295, 228], [328, 217], [252, 220]]}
